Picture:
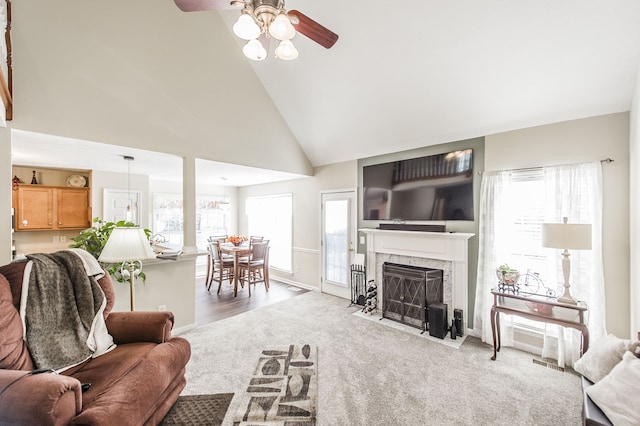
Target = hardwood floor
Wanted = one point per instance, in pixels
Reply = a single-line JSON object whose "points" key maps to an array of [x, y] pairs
{"points": [[212, 307]]}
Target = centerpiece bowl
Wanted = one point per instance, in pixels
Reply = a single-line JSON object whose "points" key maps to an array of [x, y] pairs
{"points": [[236, 240]]}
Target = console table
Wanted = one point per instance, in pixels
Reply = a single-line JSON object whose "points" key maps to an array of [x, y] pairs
{"points": [[538, 308]]}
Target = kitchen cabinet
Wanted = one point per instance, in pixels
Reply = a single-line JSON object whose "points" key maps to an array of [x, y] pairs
{"points": [[40, 207]]}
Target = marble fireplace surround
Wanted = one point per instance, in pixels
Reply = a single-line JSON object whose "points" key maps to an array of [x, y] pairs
{"points": [[448, 251]]}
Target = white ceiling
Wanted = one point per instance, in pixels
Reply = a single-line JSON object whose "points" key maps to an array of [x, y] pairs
{"points": [[415, 73], [420, 72]]}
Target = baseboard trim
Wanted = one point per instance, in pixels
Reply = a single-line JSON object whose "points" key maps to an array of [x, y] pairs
{"points": [[181, 330], [295, 283]]}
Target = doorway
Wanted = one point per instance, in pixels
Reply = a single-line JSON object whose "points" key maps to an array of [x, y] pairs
{"points": [[121, 205], [338, 241]]}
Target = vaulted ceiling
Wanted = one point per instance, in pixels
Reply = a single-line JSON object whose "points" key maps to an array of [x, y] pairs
{"points": [[420, 72], [402, 74]]}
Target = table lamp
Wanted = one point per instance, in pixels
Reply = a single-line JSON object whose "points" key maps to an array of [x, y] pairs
{"points": [[128, 246], [566, 236]]}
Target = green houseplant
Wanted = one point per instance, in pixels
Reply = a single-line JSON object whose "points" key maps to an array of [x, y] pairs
{"points": [[94, 239]]}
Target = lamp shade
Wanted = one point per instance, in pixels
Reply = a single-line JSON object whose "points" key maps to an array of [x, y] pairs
{"points": [[286, 51], [246, 28], [254, 50], [570, 236], [281, 28], [126, 244]]}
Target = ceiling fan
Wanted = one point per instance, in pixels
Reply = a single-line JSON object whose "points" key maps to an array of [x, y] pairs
{"points": [[262, 19]]}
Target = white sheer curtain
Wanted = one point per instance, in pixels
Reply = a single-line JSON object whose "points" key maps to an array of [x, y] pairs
{"points": [[494, 222], [573, 191]]}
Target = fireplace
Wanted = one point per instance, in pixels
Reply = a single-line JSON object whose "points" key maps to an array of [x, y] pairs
{"points": [[408, 292], [447, 251]]}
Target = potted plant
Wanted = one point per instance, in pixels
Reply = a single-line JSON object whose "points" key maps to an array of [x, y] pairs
{"points": [[94, 239], [507, 275]]}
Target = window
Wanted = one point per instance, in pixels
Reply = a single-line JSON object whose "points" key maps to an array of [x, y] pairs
{"points": [[167, 217], [524, 244], [272, 218], [513, 205], [212, 217], [527, 196]]}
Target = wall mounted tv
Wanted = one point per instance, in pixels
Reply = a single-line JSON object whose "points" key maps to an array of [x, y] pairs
{"points": [[436, 187]]}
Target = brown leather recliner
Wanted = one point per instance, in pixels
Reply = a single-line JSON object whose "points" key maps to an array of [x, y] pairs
{"points": [[134, 384]]}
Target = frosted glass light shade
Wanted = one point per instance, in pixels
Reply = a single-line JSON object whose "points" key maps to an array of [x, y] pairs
{"points": [[281, 28], [286, 50], [126, 244], [570, 236], [246, 28], [254, 50]]}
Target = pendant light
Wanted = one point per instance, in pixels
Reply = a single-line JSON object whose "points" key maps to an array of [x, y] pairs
{"points": [[129, 212]]}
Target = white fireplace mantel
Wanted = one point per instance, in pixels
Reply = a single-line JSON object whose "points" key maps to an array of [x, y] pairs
{"points": [[444, 246]]}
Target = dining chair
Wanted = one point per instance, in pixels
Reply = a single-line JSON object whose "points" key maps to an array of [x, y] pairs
{"points": [[210, 266], [222, 268], [252, 239], [255, 269]]}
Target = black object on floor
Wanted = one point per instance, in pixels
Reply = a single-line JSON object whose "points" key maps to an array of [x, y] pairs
{"points": [[438, 324]]}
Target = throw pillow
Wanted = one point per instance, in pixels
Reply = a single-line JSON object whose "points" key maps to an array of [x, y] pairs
{"points": [[600, 359], [617, 393]]}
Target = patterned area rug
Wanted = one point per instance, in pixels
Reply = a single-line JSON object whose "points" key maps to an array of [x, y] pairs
{"points": [[283, 389], [198, 410]]}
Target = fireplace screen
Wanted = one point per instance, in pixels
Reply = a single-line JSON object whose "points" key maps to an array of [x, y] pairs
{"points": [[408, 291]]}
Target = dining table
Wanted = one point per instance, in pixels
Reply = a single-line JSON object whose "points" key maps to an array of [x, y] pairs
{"points": [[237, 252]]}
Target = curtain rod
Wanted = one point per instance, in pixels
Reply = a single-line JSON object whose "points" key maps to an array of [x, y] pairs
{"points": [[605, 161]]}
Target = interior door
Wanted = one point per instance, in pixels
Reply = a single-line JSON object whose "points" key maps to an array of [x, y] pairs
{"points": [[338, 241], [121, 205]]}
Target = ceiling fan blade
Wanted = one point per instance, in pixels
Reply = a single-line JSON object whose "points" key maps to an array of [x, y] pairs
{"points": [[316, 32], [200, 5]]}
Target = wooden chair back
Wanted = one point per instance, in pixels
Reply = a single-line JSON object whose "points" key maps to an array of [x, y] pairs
{"points": [[259, 251]]}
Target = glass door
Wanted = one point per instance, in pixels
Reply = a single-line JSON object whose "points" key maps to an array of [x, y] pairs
{"points": [[338, 241]]}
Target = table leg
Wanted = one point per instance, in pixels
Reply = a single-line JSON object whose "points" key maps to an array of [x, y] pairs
{"points": [[207, 281], [235, 274], [498, 334], [584, 346], [494, 316]]}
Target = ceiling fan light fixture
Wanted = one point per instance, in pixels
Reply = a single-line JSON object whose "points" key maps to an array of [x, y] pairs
{"points": [[281, 28], [254, 50], [246, 28], [286, 51]]}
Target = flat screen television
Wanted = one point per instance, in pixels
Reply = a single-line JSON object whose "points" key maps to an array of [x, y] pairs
{"points": [[435, 187]]}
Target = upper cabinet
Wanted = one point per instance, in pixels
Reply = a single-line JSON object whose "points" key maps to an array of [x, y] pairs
{"points": [[53, 206], [39, 207]]}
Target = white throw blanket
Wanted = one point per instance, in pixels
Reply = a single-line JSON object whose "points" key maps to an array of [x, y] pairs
{"points": [[62, 308]]}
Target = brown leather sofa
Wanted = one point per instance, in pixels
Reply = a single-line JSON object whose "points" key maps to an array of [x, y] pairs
{"points": [[134, 384]]}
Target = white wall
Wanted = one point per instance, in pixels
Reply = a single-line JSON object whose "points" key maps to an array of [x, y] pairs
{"points": [[634, 209], [109, 180], [87, 71], [5, 195], [306, 216], [168, 285], [576, 141]]}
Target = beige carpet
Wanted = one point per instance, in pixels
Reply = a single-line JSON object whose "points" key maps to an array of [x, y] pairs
{"points": [[371, 374]]}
